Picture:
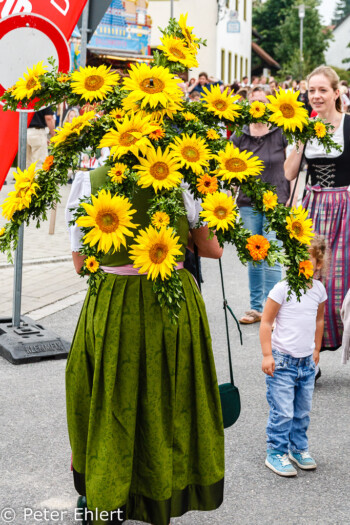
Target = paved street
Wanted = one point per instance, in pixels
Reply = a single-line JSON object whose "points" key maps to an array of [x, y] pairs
{"points": [[35, 454]]}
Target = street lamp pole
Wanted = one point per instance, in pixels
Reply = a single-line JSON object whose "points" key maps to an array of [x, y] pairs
{"points": [[301, 9], [171, 8]]}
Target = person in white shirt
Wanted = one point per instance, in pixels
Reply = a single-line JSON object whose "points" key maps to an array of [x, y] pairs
{"points": [[290, 354]]}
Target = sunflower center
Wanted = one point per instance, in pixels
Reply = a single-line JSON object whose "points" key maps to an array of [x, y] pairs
{"points": [[158, 253], [190, 153], [77, 126], [220, 104], [93, 82], [152, 85], [177, 52], [207, 183], [107, 221], [287, 110], [297, 228], [118, 173], [220, 212], [126, 139], [235, 165], [159, 170], [31, 83]]}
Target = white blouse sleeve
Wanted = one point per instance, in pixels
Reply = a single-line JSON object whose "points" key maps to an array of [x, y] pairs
{"points": [[193, 206], [81, 188]]}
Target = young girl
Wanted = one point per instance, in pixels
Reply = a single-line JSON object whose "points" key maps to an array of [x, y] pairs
{"points": [[291, 351]]}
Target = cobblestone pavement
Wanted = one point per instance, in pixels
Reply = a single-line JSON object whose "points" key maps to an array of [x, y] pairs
{"points": [[48, 281]]}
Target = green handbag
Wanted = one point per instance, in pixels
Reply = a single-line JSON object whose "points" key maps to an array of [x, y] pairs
{"points": [[229, 393]]}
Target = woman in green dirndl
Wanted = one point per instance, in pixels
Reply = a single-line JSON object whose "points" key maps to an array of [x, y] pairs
{"points": [[143, 405]]}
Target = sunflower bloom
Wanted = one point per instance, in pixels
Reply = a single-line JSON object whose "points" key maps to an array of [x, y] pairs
{"points": [[155, 251], [299, 226], [152, 86], [94, 82], [159, 169], [25, 87], [258, 247], [187, 115], [207, 184], [117, 113], [129, 137], [110, 220], [219, 211], [48, 163], [190, 38], [235, 164], [92, 264], [269, 200], [221, 104], [160, 219], [116, 173], [73, 128], [21, 197], [306, 268], [257, 109], [320, 130], [287, 112], [191, 152], [175, 50], [212, 134]]}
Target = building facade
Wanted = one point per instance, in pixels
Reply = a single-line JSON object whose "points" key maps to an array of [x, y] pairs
{"points": [[225, 24], [338, 49]]}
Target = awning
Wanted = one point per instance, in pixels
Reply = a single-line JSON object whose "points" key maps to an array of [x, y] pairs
{"points": [[265, 56], [116, 54]]}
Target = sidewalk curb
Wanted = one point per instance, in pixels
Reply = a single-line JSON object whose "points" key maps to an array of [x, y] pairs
{"points": [[57, 306], [63, 258]]}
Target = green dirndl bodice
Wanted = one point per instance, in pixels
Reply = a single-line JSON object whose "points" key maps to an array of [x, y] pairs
{"points": [[143, 406]]}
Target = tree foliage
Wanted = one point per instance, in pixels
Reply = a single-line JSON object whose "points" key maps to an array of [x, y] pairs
{"points": [[341, 10], [279, 25]]}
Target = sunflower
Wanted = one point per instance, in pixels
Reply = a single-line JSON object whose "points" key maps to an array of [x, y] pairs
{"points": [[92, 264], [116, 173], [94, 82], [159, 219], [158, 133], [258, 247], [156, 115], [155, 252], [299, 226], [176, 51], [207, 184], [191, 152], [73, 128], [25, 188], [235, 164], [187, 115], [109, 218], [25, 87], [117, 113], [159, 169], [287, 111], [221, 104], [257, 109], [191, 39], [212, 134], [129, 137], [219, 211], [306, 268], [48, 163], [269, 200], [2, 231], [152, 86], [320, 130]]}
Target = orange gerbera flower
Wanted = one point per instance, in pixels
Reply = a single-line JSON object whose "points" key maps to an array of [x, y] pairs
{"points": [[257, 246], [157, 134], [207, 184], [48, 162], [306, 268]]}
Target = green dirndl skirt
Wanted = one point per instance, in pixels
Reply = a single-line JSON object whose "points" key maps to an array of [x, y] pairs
{"points": [[143, 405]]}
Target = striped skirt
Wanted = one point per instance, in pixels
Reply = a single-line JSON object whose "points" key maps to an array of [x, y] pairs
{"points": [[329, 209]]}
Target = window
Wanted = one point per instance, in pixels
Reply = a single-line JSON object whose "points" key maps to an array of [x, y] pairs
{"points": [[245, 10], [246, 67], [241, 70], [227, 3], [237, 5], [230, 68], [223, 65], [236, 72]]}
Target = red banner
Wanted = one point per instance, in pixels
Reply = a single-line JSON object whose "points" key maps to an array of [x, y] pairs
{"points": [[64, 14]]}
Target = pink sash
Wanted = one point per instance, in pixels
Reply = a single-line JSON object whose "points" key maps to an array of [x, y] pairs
{"points": [[128, 269]]}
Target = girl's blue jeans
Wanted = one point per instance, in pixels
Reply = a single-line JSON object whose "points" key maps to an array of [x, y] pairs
{"points": [[262, 277], [289, 394]]}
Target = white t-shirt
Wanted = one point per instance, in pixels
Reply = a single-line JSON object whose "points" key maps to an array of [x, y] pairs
{"points": [[296, 320]]}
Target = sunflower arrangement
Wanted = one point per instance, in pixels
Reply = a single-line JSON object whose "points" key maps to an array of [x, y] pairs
{"points": [[161, 143]]}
